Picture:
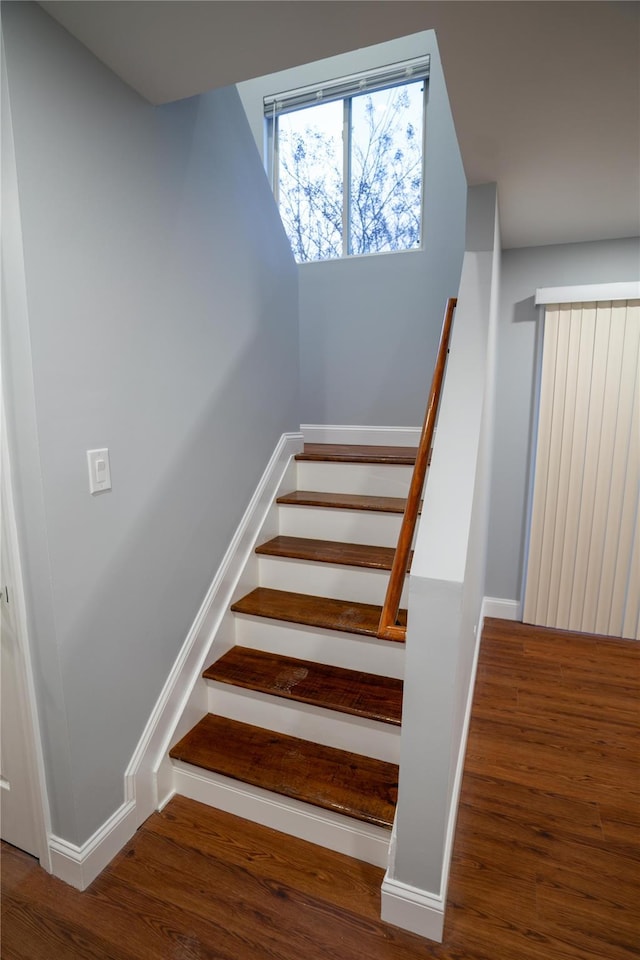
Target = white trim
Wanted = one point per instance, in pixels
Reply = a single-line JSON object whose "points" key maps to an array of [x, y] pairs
{"points": [[412, 909], [80, 865], [39, 799], [13, 262], [393, 844], [140, 776], [334, 433], [503, 609], [587, 293], [323, 827]]}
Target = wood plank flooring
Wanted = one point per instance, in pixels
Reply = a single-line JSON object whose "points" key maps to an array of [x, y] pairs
{"points": [[546, 861]]}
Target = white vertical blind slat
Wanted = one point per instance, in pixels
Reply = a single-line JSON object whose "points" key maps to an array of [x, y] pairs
{"points": [[566, 476], [618, 468], [619, 550], [542, 464], [604, 476], [553, 475], [576, 472], [595, 413]]}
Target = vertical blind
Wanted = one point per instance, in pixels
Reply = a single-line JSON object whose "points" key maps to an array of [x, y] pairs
{"points": [[583, 570]]}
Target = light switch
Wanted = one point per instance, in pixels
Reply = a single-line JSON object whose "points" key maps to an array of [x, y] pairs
{"points": [[99, 470]]}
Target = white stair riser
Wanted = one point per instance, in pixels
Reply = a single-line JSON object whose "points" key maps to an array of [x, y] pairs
{"points": [[382, 657], [374, 479], [325, 579], [332, 830], [348, 526], [357, 734]]}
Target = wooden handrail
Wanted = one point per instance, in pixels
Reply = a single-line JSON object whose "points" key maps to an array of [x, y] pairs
{"points": [[389, 629]]}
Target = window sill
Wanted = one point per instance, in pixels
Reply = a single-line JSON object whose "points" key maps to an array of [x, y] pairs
{"points": [[360, 256]]}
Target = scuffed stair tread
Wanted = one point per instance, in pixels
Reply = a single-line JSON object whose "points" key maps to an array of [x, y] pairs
{"points": [[357, 453], [347, 783], [344, 501], [348, 691], [330, 551], [331, 614]]}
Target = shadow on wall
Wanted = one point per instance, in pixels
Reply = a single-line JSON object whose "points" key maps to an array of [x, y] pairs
{"points": [[525, 311]]}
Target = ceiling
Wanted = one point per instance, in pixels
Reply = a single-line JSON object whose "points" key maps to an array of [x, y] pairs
{"points": [[545, 95]]}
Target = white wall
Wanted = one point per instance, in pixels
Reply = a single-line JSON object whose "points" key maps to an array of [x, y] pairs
{"points": [[156, 315], [448, 570], [369, 326], [525, 270]]}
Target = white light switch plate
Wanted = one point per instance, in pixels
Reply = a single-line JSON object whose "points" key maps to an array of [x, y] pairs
{"points": [[99, 470]]}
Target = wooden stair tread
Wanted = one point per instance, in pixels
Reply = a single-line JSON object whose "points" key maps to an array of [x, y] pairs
{"points": [[330, 551], [357, 453], [347, 783], [331, 614], [334, 688], [344, 501]]}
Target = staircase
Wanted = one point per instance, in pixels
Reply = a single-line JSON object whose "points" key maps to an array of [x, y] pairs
{"points": [[302, 732]]}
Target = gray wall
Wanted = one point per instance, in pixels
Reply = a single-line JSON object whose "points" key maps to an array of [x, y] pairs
{"points": [[369, 326], [156, 316], [523, 271]]}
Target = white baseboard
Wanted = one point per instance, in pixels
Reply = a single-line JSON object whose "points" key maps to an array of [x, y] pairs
{"points": [[389, 436], [334, 831], [412, 909], [503, 609], [80, 865]]}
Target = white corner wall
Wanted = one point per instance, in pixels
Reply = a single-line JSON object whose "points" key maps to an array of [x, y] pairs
{"points": [[369, 325], [150, 306], [446, 589]]}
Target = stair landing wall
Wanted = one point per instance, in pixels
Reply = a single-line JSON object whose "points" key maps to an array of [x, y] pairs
{"points": [[446, 586]]}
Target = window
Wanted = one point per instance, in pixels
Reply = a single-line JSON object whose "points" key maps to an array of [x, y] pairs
{"points": [[346, 160]]}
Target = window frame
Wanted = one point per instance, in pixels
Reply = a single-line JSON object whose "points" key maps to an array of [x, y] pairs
{"points": [[356, 85]]}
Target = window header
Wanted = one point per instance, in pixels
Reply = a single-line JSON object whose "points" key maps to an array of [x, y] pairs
{"points": [[589, 293], [337, 89]]}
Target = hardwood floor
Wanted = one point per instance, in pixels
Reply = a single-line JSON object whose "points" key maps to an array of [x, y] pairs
{"points": [[546, 860]]}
